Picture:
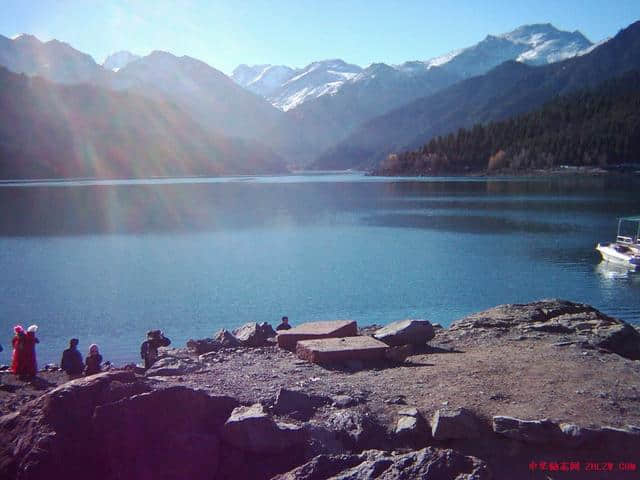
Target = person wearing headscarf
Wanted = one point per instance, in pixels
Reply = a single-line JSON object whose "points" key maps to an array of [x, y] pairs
{"points": [[30, 362], [149, 348], [93, 361], [17, 358], [72, 359]]}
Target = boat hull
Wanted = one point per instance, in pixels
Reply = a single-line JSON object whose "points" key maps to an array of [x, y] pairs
{"points": [[619, 254]]}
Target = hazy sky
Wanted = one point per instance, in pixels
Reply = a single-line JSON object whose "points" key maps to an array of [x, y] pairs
{"points": [[296, 32]]}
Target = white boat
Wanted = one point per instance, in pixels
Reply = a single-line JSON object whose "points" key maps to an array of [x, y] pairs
{"points": [[626, 249]]}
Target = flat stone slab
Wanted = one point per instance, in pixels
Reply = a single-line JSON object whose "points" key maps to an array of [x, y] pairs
{"points": [[287, 339], [335, 350]]}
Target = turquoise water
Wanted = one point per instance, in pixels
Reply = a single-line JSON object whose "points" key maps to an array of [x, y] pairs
{"points": [[107, 261]]}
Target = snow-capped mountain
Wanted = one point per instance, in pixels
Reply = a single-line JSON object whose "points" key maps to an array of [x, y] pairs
{"points": [[118, 60], [315, 80], [547, 44], [535, 44], [286, 88]]}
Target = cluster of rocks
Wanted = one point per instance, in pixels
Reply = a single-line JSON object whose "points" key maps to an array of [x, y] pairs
{"points": [[118, 425], [248, 335]]}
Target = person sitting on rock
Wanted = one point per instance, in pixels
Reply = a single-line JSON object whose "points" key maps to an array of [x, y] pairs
{"points": [[72, 359], [149, 348], [93, 361], [284, 325]]}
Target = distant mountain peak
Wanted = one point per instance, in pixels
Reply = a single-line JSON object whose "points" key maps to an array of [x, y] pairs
{"points": [[25, 37], [119, 60]]}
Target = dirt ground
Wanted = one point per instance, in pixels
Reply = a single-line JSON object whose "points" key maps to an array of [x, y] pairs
{"points": [[529, 378]]}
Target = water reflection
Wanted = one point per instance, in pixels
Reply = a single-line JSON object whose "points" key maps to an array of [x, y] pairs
{"points": [[610, 272], [475, 224]]}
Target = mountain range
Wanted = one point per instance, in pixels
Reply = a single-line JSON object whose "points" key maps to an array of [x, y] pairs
{"points": [[288, 88], [51, 130], [509, 89], [330, 114]]}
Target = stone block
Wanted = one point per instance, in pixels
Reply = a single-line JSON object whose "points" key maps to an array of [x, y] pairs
{"points": [[336, 350], [287, 339]]}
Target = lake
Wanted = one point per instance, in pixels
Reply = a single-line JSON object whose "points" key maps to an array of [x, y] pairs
{"points": [[105, 261]]}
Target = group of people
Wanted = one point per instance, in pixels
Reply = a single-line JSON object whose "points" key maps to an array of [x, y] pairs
{"points": [[72, 360], [24, 364]]}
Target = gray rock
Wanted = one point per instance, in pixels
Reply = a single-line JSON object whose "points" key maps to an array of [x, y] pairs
{"points": [[398, 354], [406, 332], [528, 431], [574, 436], [622, 339], [355, 429], [254, 335], [251, 429], [172, 366], [428, 463], [204, 345], [460, 423], [411, 427], [298, 402], [344, 401], [226, 339]]}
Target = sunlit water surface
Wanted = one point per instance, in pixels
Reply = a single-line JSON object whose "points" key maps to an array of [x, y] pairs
{"points": [[108, 260]]}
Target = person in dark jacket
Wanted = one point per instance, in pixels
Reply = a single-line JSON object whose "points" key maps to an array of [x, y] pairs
{"points": [[149, 348], [93, 361], [284, 325], [72, 359]]}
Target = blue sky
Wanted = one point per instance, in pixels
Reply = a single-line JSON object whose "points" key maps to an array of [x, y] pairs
{"points": [[296, 32]]}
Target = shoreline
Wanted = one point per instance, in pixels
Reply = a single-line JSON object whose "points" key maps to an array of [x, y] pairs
{"points": [[574, 377]]}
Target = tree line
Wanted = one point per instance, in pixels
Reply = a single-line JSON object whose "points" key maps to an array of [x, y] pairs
{"points": [[597, 127]]}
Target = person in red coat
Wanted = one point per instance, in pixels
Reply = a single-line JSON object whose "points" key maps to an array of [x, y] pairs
{"points": [[17, 358], [30, 362]]}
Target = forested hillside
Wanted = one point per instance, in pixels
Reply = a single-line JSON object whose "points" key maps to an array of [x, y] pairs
{"points": [[596, 127]]}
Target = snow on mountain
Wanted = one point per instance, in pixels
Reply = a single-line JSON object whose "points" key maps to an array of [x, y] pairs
{"points": [[287, 88], [535, 44], [546, 43], [263, 80], [313, 81], [119, 60]]}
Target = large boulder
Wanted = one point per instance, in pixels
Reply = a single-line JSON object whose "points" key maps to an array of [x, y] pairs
{"points": [[204, 345], [150, 435], [226, 339], [451, 424], [406, 332], [103, 427], [556, 317], [620, 338], [254, 334], [251, 429], [431, 463], [37, 441], [298, 404]]}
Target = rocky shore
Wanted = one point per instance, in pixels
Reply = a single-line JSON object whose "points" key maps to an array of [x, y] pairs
{"points": [[549, 389]]}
